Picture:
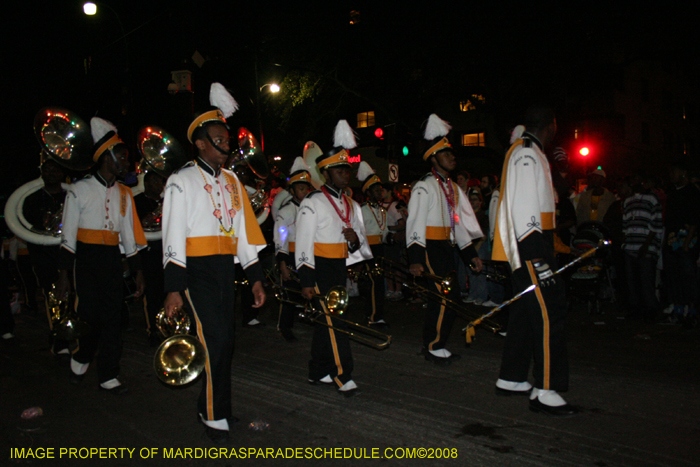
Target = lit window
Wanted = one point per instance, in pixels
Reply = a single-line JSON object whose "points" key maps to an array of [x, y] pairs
{"points": [[473, 139], [365, 119]]}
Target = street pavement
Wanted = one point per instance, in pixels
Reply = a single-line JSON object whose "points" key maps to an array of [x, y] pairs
{"points": [[635, 383]]}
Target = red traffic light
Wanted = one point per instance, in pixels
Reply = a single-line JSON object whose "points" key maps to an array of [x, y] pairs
{"points": [[379, 133], [584, 151]]}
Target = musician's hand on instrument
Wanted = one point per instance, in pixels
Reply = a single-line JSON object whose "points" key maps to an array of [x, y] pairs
{"points": [[545, 276], [258, 294], [351, 236], [307, 292], [140, 284], [416, 269], [477, 265], [173, 303]]}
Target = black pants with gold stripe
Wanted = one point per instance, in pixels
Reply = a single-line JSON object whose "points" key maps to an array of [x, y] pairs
{"points": [[99, 286], [440, 260], [210, 292], [373, 287], [330, 350], [536, 332]]}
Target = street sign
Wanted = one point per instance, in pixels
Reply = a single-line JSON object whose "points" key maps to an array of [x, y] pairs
{"points": [[393, 173]]}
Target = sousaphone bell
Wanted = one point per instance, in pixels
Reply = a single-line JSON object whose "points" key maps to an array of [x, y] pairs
{"points": [[250, 153]]}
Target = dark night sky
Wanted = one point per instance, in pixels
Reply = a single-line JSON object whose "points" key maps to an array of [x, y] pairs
{"points": [[473, 46]]}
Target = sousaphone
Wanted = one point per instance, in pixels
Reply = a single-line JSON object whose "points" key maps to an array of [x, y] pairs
{"points": [[65, 138], [162, 154]]}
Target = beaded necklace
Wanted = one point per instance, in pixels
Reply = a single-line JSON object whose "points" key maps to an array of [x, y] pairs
{"points": [[345, 218], [230, 232], [381, 221], [452, 200]]}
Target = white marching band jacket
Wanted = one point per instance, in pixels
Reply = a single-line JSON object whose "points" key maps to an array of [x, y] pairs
{"points": [[429, 218], [98, 214], [527, 202], [207, 214], [284, 234], [376, 223], [319, 230]]}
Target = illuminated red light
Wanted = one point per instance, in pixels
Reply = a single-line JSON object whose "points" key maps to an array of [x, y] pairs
{"points": [[379, 133]]}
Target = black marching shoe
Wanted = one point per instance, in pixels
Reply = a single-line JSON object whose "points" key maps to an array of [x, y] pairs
{"points": [[117, 390], [553, 411], [440, 361], [217, 436], [76, 379], [288, 335]]}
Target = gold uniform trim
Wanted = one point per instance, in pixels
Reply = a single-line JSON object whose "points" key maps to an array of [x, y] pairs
{"points": [[442, 144], [374, 239], [437, 233], [98, 237], [331, 250], [209, 116], [109, 144], [214, 245], [340, 158]]}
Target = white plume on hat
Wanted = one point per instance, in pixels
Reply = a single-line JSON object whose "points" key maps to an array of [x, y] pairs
{"points": [[100, 127], [299, 164], [344, 136], [364, 171], [517, 133], [436, 127], [221, 98]]}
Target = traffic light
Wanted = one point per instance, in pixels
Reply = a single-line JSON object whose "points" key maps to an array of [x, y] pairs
{"points": [[405, 151], [584, 151], [379, 133]]}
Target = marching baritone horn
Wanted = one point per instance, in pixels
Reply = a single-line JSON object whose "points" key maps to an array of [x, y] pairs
{"points": [[181, 358], [64, 324]]}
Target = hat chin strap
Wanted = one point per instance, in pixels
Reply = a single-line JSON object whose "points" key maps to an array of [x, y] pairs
{"points": [[211, 141]]}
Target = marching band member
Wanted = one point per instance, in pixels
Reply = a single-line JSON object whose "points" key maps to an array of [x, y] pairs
{"points": [[207, 220], [524, 237], [43, 209], [330, 236], [147, 203], [441, 223], [377, 229], [98, 217], [284, 234]]}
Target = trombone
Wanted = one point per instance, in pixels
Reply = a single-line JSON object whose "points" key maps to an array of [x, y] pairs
{"points": [[336, 301], [470, 331], [180, 358], [445, 285]]}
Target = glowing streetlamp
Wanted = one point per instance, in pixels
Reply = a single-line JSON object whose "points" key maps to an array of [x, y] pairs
{"points": [[89, 8]]}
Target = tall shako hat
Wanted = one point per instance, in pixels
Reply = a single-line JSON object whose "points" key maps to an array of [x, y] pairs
{"points": [[343, 139], [436, 134], [104, 134], [225, 106], [299, 173], [366, 175]]}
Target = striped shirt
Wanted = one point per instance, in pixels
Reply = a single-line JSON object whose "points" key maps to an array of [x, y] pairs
{"points": [[641, 215]]}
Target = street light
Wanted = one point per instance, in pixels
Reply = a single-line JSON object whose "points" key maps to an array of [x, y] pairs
{"points": [[89, 8], [274, 88]]}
